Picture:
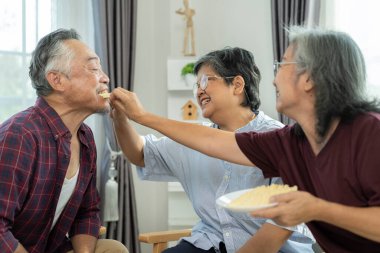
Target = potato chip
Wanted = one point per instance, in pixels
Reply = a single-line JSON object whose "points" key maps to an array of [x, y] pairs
{"points": [[105, 95]]}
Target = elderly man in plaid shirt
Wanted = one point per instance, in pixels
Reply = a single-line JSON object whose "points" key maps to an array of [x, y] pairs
{"points": [[48, 196]]}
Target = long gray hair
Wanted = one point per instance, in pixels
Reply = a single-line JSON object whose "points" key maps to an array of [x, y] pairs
{"points": [[51, 54], [337, 68]]}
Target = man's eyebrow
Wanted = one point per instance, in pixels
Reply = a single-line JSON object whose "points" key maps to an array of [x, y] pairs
{"points": [[92, 58]]}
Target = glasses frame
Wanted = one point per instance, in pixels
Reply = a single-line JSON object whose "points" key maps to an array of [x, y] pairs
{"points": [[203, 82], [277, 65]]}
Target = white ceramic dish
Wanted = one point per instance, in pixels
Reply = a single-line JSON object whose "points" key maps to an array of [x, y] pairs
{"points": [[226, 199]]}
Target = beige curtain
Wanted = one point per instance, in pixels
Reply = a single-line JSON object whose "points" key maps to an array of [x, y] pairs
{"points": [[286, 13]]}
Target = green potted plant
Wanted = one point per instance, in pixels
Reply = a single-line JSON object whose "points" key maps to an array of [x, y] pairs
{"points": [[187, 74], [188, 69]]}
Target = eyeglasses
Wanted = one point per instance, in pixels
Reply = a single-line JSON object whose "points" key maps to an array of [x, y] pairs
{"points": [[203, 82], [277, 65]]}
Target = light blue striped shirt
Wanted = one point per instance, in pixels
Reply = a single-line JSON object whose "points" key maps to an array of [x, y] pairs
{"points": [[205, 179]]}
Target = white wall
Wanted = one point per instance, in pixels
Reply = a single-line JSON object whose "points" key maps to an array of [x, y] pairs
{"points": [[149, 84], [218, 23]]}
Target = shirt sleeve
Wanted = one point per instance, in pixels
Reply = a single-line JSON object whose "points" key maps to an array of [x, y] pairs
{"points": [[365, 150], [16, 154], [163, 159], [262, 149], [301, 232]]}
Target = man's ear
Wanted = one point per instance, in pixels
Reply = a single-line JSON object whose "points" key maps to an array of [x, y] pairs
{"points": [[238, 83], [54, 79], [309, 84]]}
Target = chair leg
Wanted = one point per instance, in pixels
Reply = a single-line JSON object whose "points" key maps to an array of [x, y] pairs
{"points": [[159, 247]]}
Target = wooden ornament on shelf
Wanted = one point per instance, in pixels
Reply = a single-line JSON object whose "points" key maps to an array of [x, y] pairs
{"points": [[189, 111], [188, 14]]}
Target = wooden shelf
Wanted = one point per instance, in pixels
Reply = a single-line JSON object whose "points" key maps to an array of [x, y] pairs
{"points": [[175, 80]]}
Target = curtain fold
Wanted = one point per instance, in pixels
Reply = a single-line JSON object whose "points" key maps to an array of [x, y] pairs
{"points": [[286, 13], [115, 36]]}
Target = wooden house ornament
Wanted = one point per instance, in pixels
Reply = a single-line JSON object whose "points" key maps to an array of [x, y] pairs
{"points": [[189, 111]]}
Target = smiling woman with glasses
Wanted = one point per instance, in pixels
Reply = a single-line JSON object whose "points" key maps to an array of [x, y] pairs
{"points": [[228, 69]]}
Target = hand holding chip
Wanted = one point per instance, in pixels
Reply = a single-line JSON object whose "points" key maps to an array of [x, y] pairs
{"points": [[127, 102]]}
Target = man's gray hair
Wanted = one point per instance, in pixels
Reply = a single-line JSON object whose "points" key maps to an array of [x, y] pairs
{"points": [[51, 54]]}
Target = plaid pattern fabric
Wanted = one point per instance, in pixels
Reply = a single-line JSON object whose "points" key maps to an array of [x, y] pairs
{"points": [[34, 157]]}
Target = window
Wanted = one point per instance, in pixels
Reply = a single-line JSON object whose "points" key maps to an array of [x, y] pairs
{"points": [[22, 24], [359, 19]]}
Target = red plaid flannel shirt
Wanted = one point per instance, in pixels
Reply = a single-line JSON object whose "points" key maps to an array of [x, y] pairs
{"points": [[34, 157]]}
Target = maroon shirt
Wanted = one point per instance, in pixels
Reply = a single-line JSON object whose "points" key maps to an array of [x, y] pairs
{"points": [[346, 171], [34, 158]]}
